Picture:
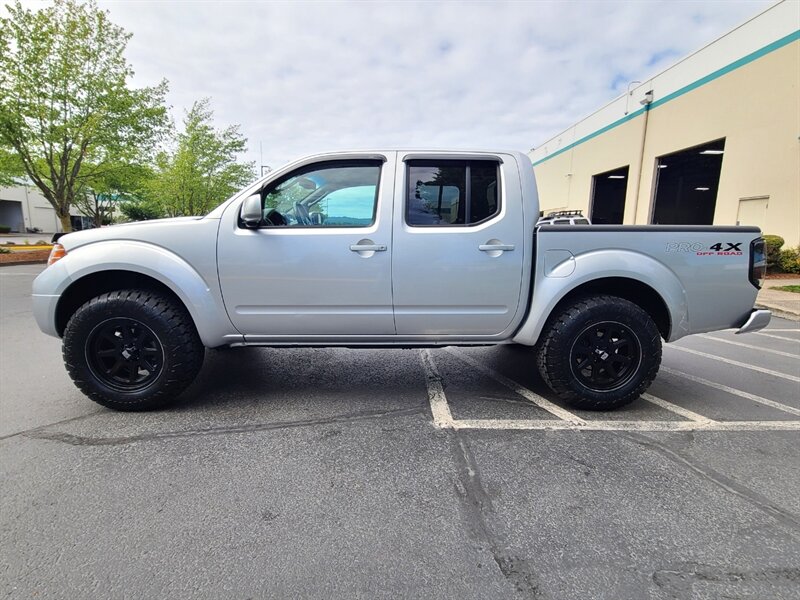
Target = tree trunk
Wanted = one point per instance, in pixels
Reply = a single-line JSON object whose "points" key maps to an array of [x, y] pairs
{"points": [[98, 212], [66, 224]]}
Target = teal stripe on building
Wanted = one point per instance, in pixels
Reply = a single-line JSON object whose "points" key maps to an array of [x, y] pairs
{"points": [[792, 37]]}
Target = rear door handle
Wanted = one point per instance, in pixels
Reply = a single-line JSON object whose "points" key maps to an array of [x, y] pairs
{"points": [[368, 248], [495, 247]]}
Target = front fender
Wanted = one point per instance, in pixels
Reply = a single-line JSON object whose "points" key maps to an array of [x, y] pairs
{"points": [[200, 296], [552, 285]]}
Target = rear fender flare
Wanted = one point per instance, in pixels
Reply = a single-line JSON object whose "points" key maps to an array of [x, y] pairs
{"points": [[602, 264]]}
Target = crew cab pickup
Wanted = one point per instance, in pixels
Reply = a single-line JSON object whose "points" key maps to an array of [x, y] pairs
{"points": [[396, 249]]}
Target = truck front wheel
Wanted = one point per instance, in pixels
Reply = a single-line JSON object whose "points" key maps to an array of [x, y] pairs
{"points": [[599, 352], [132, 349]]}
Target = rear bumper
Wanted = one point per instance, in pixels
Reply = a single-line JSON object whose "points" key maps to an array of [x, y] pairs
{"points": [[758, 319]]}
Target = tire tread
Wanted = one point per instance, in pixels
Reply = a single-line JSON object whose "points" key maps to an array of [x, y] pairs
{"points": [[551, 359], [183, 349]]}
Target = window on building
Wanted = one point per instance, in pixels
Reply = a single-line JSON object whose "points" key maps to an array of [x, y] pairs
{"points": [[451, 192], [608, 197], [686, 185]]}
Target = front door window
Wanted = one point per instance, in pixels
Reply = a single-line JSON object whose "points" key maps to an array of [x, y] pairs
{"points": [[335, 194]]}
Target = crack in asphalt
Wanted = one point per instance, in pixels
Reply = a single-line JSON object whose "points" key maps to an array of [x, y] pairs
{"points": [[484, 524], [718, 479], [679, 580], [78, 440], [41, 427]]}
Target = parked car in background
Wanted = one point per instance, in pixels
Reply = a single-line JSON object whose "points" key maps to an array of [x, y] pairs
{"points": [[564, 217]]}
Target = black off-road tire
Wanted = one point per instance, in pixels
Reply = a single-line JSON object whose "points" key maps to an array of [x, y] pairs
{"points": [[176, 352], [563, 349]]}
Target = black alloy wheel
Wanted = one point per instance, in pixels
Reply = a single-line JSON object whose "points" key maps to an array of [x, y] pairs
{"points": [[124, 354], [605, 356]]}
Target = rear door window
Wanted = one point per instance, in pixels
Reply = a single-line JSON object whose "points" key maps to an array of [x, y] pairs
{"points": [[442, 193]]}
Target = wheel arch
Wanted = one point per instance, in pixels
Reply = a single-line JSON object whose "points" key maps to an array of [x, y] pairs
{"points": [[100, 282], [630, 275], [640, 294]]}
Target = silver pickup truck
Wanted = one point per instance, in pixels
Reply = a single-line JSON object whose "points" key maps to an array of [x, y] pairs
{"points": [[396, 249]]}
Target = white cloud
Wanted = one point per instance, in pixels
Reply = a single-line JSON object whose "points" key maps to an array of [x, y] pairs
{"points": [[307, 76]]}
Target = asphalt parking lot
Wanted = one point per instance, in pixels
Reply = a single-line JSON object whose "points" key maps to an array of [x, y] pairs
{"points": [[444, 473]]}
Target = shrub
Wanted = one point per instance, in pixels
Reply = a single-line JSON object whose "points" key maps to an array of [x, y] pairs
{"points": [[141, 211], [790, 260], [5, 228], [4, 250], [774, 245]]}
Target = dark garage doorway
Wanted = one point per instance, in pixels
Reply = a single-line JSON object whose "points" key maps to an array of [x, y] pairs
{"points": [[11, 215], [687, 184], [608, 196]]}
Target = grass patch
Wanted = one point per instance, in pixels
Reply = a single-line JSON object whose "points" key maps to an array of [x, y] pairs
{"points": [[788, 288]]}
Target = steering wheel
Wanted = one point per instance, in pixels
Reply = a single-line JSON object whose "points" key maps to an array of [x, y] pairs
{"points": [[301, 214], [275, 218]]}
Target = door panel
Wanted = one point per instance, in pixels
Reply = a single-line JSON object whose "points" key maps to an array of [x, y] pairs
{"points": [[323, 274], [450, 278]]}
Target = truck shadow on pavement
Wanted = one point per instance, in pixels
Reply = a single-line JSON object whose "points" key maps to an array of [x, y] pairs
{"points": [[276, 376]]}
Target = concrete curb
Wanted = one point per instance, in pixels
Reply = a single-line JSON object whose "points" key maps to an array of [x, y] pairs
{"points": [[23, 262], [778, 311]]}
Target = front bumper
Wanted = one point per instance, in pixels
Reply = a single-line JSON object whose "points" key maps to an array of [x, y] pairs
{"points": [[758, 319], [44, 311]]}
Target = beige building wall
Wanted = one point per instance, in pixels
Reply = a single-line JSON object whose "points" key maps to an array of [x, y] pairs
{"points": [[756, 108], [24, 206], [754, 105], [565, 181]]}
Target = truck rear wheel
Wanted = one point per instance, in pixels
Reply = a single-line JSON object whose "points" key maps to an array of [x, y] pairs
{"points": [[132, 350], [599, 352]]}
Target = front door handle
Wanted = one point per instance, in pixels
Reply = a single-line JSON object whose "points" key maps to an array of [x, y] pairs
{"points": [[368, 248], [496, 247]]}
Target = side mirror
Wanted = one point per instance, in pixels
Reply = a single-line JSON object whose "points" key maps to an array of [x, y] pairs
{"points": [[251, 211]]}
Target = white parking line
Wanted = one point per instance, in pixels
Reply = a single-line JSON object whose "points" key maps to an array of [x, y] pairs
{"points": [[765, 401], [522, 391], [678, 410], [442, 417], [750, 346], [729, 361], [627, 425], [777, 337]]}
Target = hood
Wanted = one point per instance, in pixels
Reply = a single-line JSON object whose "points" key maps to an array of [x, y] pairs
{"points": [[138, 230]]}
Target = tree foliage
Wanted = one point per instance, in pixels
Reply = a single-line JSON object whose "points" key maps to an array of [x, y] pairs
{"points": [[141, 210], [203, 170], [112, 188], [67, 114]]}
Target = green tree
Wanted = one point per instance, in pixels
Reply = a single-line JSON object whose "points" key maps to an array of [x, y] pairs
{"points": [[67, 113], [113, 187], [10, 167], [203, 170], [141, 210]]}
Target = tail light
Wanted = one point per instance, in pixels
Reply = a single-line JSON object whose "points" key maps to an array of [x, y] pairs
{"points": [[57, 253], [758, 262]]}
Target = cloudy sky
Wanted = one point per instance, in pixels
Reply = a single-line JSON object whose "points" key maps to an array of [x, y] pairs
{"points": [[301, 77]]}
